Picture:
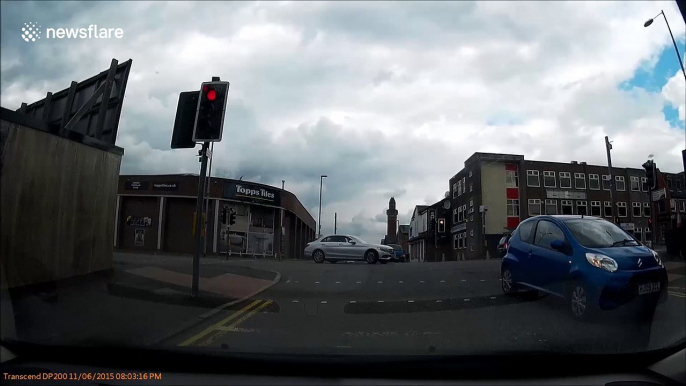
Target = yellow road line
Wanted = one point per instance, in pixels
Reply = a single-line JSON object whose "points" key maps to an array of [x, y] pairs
{"points": [[231, 317], [224, 329], [677, 294]]}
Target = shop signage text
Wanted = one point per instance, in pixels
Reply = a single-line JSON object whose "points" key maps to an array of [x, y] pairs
{"points": [[249, 192], [165, 186], [136, 185], [566, 194]]}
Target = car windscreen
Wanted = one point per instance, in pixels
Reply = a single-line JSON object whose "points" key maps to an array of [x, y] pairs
{"points": [[599, 233]]}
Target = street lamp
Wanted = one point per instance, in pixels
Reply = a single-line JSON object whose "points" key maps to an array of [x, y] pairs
{"points": [[321, 182], [678, 55]]}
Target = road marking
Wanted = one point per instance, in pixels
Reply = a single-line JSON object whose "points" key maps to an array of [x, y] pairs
{"points": [[297, 282], [288, 281], [482, 280], [421, 281], [442, 281], [466, 300], [352, 301], [410, 301], [251, 313], [439, 301], [677, 294], [379, 282], [295, 301], [358, 282], [401, 282], [316, 282], [208, 330], [380, 301], [338, 282], [323, 301], [492, 297], [463, 280]]}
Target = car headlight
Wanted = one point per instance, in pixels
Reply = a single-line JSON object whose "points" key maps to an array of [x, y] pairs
{"points": [[657, 258], [601, 261]]}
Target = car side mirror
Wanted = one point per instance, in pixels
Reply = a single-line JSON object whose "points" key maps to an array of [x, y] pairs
{"points": [[558, 245]]}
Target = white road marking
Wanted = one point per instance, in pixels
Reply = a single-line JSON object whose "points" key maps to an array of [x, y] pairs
{"points": [[463, 280], [421, 281], [380, 301], [338, 282], [323, 301], [289, 280], [439, 301], [297, 282], [379, 282], [316, 282], [358, 282], [295, 301], [466, 300], [492, 297], [482, 280], [442, 281], [352, 301], [410, 301], [401, 282]]}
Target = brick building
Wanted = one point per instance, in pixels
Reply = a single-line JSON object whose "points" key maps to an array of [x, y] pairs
{"points": [[494, 192]]}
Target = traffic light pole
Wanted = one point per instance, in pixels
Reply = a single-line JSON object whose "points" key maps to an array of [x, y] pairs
{"points": [[612, 180], [198, 219]]}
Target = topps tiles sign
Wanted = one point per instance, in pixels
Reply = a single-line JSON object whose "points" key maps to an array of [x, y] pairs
{"points": [[252, 193]]}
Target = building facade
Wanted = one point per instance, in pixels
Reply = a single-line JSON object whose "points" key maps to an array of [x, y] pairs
{"points": [[493, 193], [156, 212]]}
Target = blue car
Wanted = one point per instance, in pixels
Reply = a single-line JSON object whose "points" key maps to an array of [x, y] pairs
{"points": [[592, 263]]}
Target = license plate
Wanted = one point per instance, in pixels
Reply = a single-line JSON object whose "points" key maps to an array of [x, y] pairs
{"points": [[648, 288]]}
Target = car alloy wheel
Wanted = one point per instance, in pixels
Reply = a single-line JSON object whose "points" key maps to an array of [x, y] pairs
{"points": [[506, 282], [318, 256], [370, 257], [579, 302]]}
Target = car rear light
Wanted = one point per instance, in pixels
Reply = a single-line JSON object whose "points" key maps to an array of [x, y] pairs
{"points": [[506, 244]]}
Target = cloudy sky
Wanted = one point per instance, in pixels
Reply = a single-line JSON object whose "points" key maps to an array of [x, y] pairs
{"points": [[388, 99]]}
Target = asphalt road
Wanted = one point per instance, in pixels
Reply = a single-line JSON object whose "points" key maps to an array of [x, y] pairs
{"points": [[431, 308]]}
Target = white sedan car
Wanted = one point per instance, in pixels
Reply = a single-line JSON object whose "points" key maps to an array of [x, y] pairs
{"points": [[335, 248]]}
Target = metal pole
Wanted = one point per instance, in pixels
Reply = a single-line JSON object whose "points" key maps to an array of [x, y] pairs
{"points": [[198, 219], [207, 195], [319, 221], [678, 55], [608, 147], [335, 222]]}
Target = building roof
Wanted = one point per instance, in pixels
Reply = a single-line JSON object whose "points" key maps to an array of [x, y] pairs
{"points": [[404, 228]]}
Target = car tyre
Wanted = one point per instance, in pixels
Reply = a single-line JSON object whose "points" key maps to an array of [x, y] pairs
{"points": [[581, 304], [371, 257], [507, 283], [318, 256]]}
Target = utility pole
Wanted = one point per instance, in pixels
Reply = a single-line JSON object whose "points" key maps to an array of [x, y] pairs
{"points": [[335, 224], [608, 147], [207, 196]]}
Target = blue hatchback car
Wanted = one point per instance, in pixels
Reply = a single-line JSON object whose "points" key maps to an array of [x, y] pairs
{"points": [[592, 263]]}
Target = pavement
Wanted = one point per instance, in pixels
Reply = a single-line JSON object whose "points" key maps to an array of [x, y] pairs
{"points": [[264, 305]]}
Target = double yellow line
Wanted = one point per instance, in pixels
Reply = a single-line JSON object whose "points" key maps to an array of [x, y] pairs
{"points": [[229, 323]]}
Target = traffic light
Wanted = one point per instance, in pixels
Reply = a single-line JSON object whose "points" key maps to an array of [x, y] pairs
{"points": [[441, 225], [232, 217], [651, 174], [224, 215], [182, 136], [209, 118]]}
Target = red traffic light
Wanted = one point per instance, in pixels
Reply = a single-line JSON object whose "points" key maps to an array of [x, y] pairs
{"points": [[211, 95]]}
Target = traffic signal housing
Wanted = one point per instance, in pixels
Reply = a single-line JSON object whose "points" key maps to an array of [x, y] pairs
{"points": [[209, 117], [651, 174], [232, 217], [441, 225], [224, 215]]}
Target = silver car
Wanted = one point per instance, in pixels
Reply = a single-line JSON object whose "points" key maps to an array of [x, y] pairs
{"points": [[334, 248]]}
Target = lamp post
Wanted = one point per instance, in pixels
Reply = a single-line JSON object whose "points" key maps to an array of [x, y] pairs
{"points": [[678, 55], [319, 222]]}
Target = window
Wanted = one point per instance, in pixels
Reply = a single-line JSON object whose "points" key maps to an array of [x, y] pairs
{"points": [[471, 233], [619, 182], [579, 181], [595, 208], [550, 206], [593, 182], [644, 184], [455, 217], [329, 239], [464, 184], [646, 209], [470, 173], [636, 209], [581, 208], [454, 190], [621, 209], [464, 212], [471, 217], [471, 187], [672, 204], [566, 206], [513, 208], [635, 187], [549, 179], [565, 180], [455, 241], [471, 202], [524, 230], [532, 178], [546, 232], [511, 180], [678, 185], [534, 207], [459, 214], [606, 182], [682, 206], [608, 209], [639, 232], [459, 188], [669, 183], [597, 233]]}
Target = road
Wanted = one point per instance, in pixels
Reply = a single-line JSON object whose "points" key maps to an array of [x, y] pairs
{"points": [[452, 307]]}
